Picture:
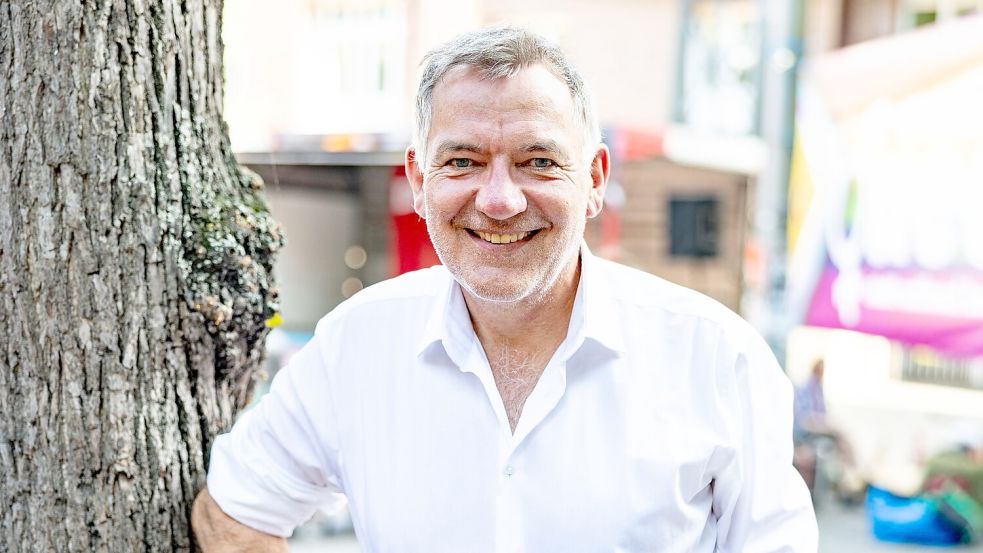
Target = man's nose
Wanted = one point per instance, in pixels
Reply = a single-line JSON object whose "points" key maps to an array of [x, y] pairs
{"points": [[500, 197]]}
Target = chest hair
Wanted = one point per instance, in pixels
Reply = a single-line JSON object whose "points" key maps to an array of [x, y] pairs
{"points": [[516, 374]]}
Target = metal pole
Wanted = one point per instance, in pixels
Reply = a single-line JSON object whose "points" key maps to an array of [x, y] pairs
{"points": [[782, 39]]}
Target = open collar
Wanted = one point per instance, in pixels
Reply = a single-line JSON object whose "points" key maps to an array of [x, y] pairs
{"points": [[448, 323], [593, 319], [595, 314]]}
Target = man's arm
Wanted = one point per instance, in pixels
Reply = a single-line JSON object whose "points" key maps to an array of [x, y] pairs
{"points": [[278, 464], [217, 532], [762, 504]]}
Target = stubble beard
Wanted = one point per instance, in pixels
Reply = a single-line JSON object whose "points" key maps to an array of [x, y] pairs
{"points": [[530, 283]]}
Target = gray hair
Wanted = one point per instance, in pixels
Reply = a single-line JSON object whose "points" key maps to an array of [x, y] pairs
{"points": [[500, 52]]}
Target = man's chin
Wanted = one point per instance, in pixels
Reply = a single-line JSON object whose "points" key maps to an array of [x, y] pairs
{"points": [[494, 287], [501, 300], [495, 294]]}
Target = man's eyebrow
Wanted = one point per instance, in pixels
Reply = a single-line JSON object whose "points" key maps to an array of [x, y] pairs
{"points": [[543, 146], [445, 147]]}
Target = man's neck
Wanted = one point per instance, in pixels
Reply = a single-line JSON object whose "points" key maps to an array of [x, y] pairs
{"points": [[519, 338], [528, 324]]}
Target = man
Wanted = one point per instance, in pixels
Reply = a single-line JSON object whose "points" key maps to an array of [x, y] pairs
{"points": [[818, 443], [525, 396]]}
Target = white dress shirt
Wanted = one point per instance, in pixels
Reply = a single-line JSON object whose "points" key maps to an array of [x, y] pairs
{"points": [[662, 423]]}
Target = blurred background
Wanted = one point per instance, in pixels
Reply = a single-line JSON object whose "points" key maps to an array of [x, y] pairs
{"points": [[815, 165]]}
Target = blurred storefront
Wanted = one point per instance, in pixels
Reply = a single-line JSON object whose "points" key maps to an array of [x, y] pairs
{"points": [[732, 113], [694, 95], [319, 103]]}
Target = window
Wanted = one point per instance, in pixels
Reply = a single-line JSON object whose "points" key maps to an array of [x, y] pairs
{"points": [[719, 78], [916, 13], [694, 227], [926, 366], [352, 77]]}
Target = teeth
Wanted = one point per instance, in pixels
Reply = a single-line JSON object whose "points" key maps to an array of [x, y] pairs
{"points": [[501, 238]]}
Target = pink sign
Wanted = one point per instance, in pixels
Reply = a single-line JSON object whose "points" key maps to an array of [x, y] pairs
{"points": [[943, 310]]}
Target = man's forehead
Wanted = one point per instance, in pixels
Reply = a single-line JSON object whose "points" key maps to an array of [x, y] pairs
{"points": [[533, 87]]}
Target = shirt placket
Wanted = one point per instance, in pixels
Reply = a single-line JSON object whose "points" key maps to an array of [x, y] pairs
{"points": [[509, 519], [508, 506]]}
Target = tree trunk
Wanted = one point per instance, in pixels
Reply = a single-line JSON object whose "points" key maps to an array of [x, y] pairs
{"points": [[135, 271]]}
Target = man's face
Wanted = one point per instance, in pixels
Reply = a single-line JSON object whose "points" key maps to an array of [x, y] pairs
{"points": [[506, 190]]}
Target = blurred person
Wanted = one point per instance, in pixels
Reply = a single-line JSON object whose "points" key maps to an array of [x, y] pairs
{"points": [[810, 403], [810, 415], [524, 396], [816, 438]]}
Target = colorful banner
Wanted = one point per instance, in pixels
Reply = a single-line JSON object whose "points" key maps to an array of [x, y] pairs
{"points": [[886, 190]]}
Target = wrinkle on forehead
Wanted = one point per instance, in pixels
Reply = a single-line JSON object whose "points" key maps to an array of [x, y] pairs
{"points": [[512, 112], [501, 110], [536, 142]]}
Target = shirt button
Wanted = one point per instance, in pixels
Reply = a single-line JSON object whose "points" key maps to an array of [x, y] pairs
{"points": [[509, 470]]}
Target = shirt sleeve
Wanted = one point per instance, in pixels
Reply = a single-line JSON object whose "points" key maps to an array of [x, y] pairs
{"points": [[761, 503], [278, 464]]}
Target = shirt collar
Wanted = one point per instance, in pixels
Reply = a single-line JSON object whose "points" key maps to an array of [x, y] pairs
{"points": [[597, 318], [449, 322], [594, 316]]}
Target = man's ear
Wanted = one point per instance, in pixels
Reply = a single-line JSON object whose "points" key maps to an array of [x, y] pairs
{"points": [[600, 170], [415, 175]]}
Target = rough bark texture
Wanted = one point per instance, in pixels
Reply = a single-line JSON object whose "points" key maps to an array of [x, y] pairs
{"points": [[135, 260]]}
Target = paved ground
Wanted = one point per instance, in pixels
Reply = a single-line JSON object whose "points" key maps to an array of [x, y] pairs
{"points": [[840, 531]]}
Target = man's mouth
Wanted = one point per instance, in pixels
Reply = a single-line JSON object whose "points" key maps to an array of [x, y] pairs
{"points": [[495, 238]]}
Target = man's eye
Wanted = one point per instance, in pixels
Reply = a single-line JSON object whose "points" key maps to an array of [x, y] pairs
{"points": [[461, 163], [542, 163]]}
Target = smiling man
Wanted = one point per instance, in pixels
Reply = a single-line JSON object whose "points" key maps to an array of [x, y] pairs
{"points": [[525, 396]]}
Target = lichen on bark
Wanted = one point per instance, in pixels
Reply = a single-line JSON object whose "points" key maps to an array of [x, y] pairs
{"points": [[227, 263]]}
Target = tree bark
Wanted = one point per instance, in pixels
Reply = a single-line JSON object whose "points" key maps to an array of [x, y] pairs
{"points": [[135, 271]]}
